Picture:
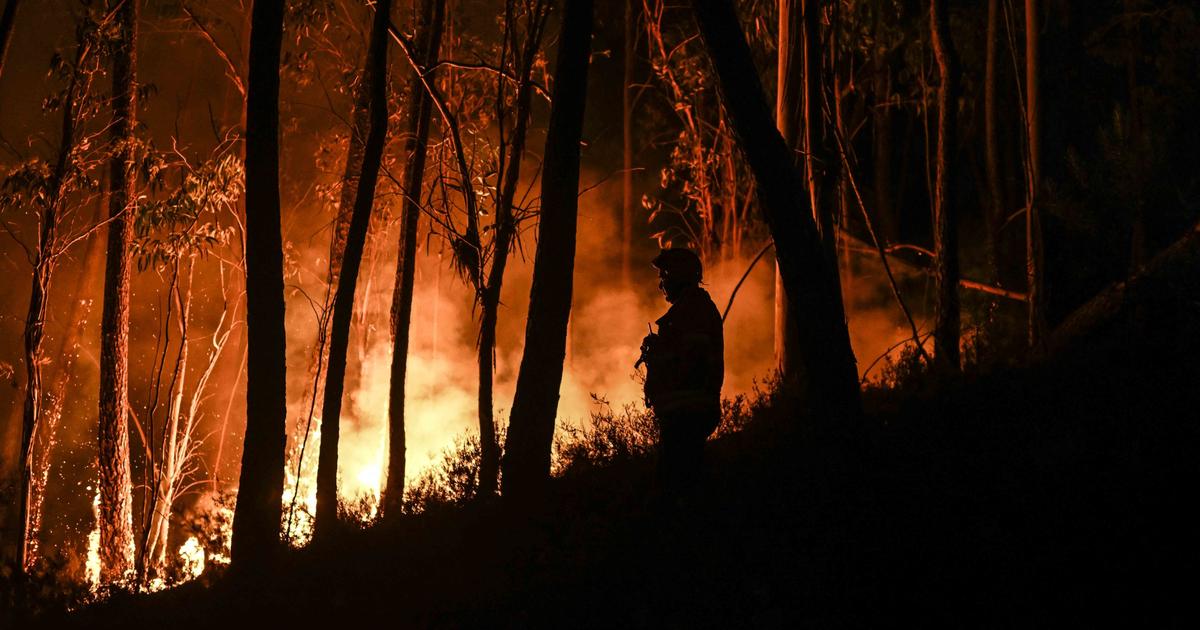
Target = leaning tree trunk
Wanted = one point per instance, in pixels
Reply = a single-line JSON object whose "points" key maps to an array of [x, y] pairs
{"points": [[535, 404], [420, 112], [809, 276], [116, 493], [343, 301], [945, 221], [259, 509]]}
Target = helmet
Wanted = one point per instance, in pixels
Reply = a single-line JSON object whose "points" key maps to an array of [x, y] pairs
{"points": [[680, 264]]}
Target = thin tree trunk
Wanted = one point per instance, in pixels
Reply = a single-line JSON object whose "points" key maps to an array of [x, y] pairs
{"points": [[881, 127], [1033, 114], [505, 229], [994, 212], [56, 396], [627, 93], [945, 220], [260, 491], [343, 301], [535, 404], [830, 376], [35, 318], [116, 493], [420, 113]]}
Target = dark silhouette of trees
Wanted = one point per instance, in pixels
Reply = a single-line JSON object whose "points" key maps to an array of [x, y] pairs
{"points": [[343, 301], [945, 228], [116, 496], [259, 508], [431, 17], [830, 376], [535, 404], [994, 209], [7, 19]]}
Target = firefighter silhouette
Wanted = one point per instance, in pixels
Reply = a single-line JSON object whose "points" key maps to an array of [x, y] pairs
{"points": [[685, 367]]}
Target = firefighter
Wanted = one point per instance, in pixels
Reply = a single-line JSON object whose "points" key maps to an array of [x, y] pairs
{"points": [[685, 366]]}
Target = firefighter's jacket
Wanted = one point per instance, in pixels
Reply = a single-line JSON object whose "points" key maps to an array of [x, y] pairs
{"points": [[685, 360]]}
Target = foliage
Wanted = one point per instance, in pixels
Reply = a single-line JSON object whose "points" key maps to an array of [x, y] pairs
{"points": [[185, 223]]}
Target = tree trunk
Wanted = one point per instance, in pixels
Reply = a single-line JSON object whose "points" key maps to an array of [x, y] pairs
{"points": [[420, 111], [881, 127], [1033, 233], [627, 93], [343, 301], [35, 317], [790, 111], [260, 493], [535, 404], [994, 211], [809, 279], [6, 30], [116, 494], [505, 229], [945, 220]]}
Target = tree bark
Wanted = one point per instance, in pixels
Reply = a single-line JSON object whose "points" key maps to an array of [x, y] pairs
{"points": [[35, 317], [994, 213], [260, 493], [535, 404], [627, 93], [420, 112], [945, 220], [1033, 233], [116, 494], [809, 279], [790, 112], [343, 301], [505, 230]]}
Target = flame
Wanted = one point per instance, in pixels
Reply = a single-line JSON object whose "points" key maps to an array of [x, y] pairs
{"points": [[91, 569]]}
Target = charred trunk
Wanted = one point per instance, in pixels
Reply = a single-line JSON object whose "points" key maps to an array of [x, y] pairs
{"points": [[260, 492], [808, 275], [945, 220], [419, 115], [116, 495], [343, 301], [535, 404]]}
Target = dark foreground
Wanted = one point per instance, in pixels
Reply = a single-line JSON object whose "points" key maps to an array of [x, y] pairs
{"points": [[1059, 492]]}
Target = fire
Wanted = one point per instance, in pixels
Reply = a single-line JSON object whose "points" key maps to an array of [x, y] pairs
{"points": [[92, 565]]}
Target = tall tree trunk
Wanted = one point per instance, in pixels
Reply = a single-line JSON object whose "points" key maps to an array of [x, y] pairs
{"points": [[945, 220], [343, 301], [809, 277], [881, 127], [790, 111], [627, 93], [505, 228], [1033, 114], [6, 30], [35, 317], [56, 394], [116, 493], [260, 491], [994, 212], [535, 404], [420, 111]]}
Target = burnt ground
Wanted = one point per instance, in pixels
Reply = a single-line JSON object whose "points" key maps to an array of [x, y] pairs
{"points": [[1058, 492]]}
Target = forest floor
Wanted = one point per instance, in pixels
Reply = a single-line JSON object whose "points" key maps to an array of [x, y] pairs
{"points": [[1060, 491]]}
